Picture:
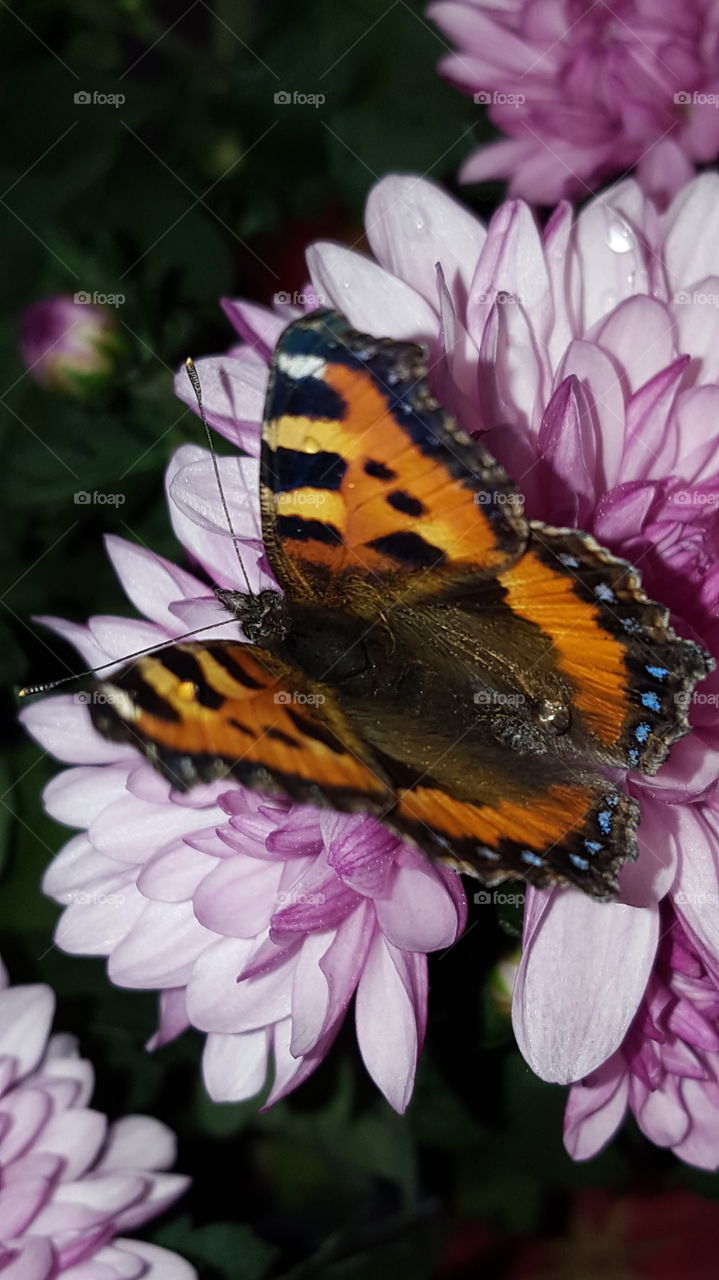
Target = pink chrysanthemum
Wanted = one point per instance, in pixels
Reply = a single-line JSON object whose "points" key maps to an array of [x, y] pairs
{"points": [[585, 92], [71, 1184], [586, 355], [667, 1069]]}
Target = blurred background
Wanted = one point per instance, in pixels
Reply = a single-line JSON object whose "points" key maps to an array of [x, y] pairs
{"points": [[150, 156]]}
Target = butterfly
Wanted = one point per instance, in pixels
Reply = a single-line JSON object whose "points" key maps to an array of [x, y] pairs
{"points": [[432, 658]]}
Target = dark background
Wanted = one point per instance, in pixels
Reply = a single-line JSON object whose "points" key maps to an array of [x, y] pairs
{"points": [[199, 185]]}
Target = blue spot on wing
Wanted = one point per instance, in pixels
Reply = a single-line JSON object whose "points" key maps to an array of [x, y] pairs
{"points": [[593, 846], [580, 863], [642, 731], [651, 700], [604, 819], [532, 859], [605, 593], [633, 755], [659, 673]]}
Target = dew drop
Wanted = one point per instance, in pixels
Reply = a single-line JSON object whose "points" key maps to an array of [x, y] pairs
{"points": [[620, 237]]}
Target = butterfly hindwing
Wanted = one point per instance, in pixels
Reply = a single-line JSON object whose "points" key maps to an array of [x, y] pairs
{"points": [[365, 480], [577, 832], [629, 675]]}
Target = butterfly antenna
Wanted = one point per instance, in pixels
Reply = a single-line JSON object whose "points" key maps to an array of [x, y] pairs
{"points": [[29, 689], [196, 387]]}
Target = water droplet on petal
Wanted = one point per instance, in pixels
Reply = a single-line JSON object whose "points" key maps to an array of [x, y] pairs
{"points": [[414, 226], [620, 237]]}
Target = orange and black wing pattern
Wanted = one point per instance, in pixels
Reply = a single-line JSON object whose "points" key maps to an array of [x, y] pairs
{"points": [[201, 711], [578, 831], [630, 676], [365, 478]]}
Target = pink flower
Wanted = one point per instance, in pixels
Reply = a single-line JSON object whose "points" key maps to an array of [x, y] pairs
{"points": [[256, 919], [71, 1182], [667, 1069], [597, 341], [585, 92], [68, 343]]}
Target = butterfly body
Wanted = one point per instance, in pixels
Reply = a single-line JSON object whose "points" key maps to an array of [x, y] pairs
{"points": [[431, 657]]}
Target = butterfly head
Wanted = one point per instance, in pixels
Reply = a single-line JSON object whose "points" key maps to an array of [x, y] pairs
{"points": [[263, 618]]}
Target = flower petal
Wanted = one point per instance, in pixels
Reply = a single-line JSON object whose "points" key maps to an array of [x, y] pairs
{"points": [[579, 983], [412, 225], [373, 301], [595, 1109], [389, 1016]]}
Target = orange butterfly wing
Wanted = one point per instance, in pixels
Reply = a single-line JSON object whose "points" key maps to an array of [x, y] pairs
{"points": [[203, 711], [364, 477], [577, 832]]}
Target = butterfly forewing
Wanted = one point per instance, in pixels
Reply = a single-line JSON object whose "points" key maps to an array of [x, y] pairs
{"points": [[203, 711], [365, 479]]}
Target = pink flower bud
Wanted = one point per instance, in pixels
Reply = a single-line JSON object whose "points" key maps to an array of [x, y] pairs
{"points": [[69, 344]]}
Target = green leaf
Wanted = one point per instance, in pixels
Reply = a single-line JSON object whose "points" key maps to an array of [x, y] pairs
{"points": [[228, 1250]]}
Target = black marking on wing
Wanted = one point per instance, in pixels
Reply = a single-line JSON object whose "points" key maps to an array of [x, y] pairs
{"points": [[233, 668], [241, 728], [150, 701], [289, 469], [183, 665], [406, 503], [378, 470], [277, 735], [409, 548], [308, 530], [309, 397], [320, 732]]}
